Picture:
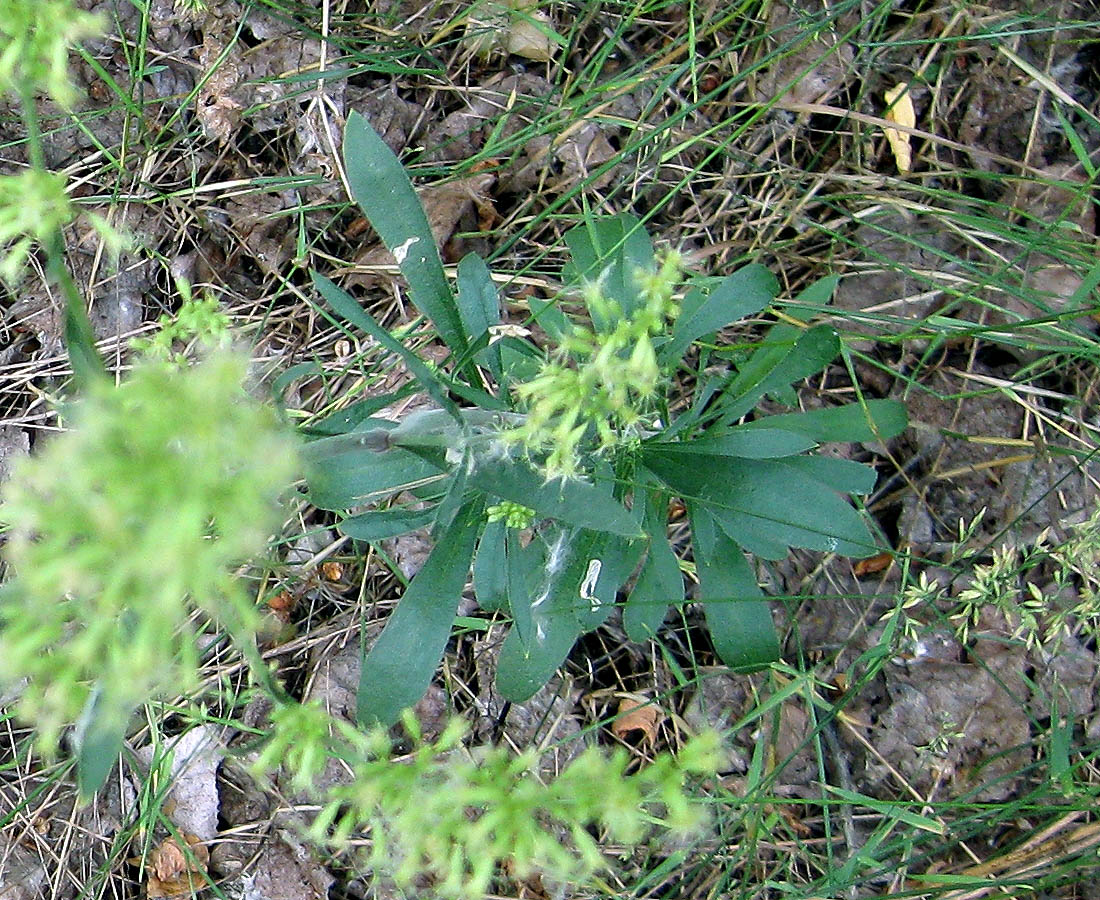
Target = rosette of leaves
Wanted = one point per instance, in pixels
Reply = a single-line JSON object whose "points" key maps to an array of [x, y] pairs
{"points": [[750, 484]]}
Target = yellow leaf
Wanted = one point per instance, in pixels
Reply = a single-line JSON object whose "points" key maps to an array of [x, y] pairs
{"points": [[899, 103]]}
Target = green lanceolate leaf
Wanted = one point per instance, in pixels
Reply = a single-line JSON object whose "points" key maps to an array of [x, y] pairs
{"points": [[570, 501], [79, 337], [285, 379], [490, 568], [520, 579], [842, 475], [758, 443], [547, 613], [355, 417], [479, 307], [349, 470], [379, 524], [400, 665], [610, 249], [659, 582], [615, 559], [99, 736], [738, 618], [788, 354], [814, 298], [437, 429], [382, 189], [455, 495], [344, 305], [548, 315], [521, 670], [870, 421], [744, 293], [767, 505]]}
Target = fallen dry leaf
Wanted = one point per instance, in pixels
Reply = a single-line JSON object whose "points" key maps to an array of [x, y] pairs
{"points": [[637, 714], [218, 111], [168, 860], [814, 71], [876, 563], [192, 801], [282, 605], [899, 108], [514, 26], [22, 873], [791, 817], [173, 871], [529, 35]]}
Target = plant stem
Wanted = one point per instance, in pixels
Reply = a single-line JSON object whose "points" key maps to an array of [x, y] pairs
{"points": [[77, 329], [79, 337]]}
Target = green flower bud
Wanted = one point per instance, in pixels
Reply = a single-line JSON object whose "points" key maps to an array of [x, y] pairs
{"points": [[514, 515]]}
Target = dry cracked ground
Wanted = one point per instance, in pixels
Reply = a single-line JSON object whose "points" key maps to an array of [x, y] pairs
{"points": [[749, 131]]}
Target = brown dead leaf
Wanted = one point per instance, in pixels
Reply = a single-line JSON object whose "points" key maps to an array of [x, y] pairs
{"points": [[218, 111], [174, 871], [899, 108], [876, 563], [530, 35], [22, 874], [282, 605], [794, 822], [637, 713], [168, 860], [813, 71], [358, 227], [261, 231], [514, 26]]}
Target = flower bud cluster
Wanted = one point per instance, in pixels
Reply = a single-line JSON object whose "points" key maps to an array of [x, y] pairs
{"points": [[514, 515], [120, 528], [33, 206], [35, 36], [599, 382]]}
